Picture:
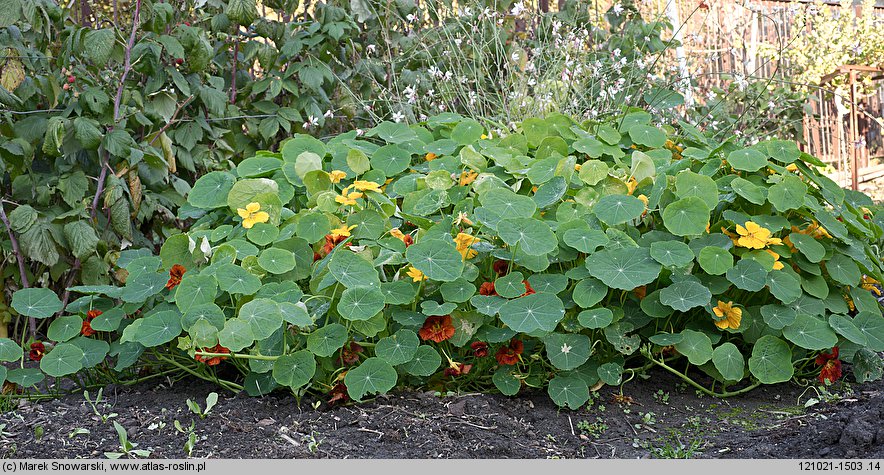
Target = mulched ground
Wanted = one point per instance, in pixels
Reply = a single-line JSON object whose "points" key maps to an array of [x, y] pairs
{"points": [[665, 419]]}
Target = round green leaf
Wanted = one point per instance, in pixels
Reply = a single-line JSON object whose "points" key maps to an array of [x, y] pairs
{"points": [[360, 303], [871, 324], [195, 290], [276, 260], [506, 203], [567, 350], [511, 285], [25, 377], [37, 303], [625, 269], [807, 245], [647, 136], [437, 259], [618, 209], [159, 328], [685, 295], [398, 348], [747, 159], [533, 312], [294, 370], [778, 316], [784, 286], [747, 275], [696, 346], [313, 227], [585, 240], [63, 360], [262, 234], [843, 270], [64, 328], [845, 327], [94, 351], [771, 360], [666, 339], [295, 313], [328, 339], [570, 391], [210, 190], [787, 194], [236, 280], [209, 312], [390, 159], [398, 292], [146, 285], [686, 217], [595, 318], [506, 381], [533, 237], [352, 270], [236, 335], [688, 183], [729, 361], [457, 291], [9, 350], [373, 376], [425, 362], [263, 316], [715, 260], [671, 253], [256, 167], [610, 373], [467, 131], [811, 333], [748, 190]]}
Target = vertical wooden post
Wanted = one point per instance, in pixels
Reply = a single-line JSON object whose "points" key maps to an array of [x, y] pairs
{"points": [[852, 136]]}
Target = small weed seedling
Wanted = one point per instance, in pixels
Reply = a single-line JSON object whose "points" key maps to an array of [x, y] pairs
{"points": [[211, 400], [95, 403], [594, 430], [126, 446], [662, 397], [191, 436], [78, 431]]}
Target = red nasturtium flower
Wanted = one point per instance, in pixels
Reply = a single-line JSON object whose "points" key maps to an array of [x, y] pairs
{"points": [[480, 349], [175, 273], [350, 353], [487, 288], [408, 240], [528, 289], [86, 329], [509, 354], [38, 349], [332, 240], [212, 360], [338, 394], [502, 267], [437, 328], [316, 256], [458, 369], [831, 366]]}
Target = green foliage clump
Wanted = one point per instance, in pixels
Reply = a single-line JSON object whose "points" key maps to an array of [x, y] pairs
{"points": [[562, 255]]}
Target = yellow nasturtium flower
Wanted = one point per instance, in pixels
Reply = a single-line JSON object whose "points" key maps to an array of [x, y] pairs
{"points": [[415, 274], [365, 185], [463, 242], [430, 156], [753, 236], [777, 265], [730, 315], [252, 215], [631, 184], [869, 283], [343, 231], [348, 198], [467, 177], [337, 175]]}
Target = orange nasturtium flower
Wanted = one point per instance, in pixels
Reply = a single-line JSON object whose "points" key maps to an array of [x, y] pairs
{"points": [[337, 175], [510, 354], [753, 236], [415, 274], [364, 185], [467, 177], [463, 242], [430, 156], [631, 184], [730, 316], [437, 328], [86, 329], [212, 360], [175, 274], [343, 231], [870, 284], [252, 215]]}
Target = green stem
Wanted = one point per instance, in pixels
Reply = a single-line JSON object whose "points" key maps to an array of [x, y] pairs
{"points": [[697, 385]]}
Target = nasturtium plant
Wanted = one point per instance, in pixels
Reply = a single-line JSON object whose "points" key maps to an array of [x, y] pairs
{"points": [[424, 254]]}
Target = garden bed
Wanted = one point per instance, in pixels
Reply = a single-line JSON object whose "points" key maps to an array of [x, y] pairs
{"points": [[665, 419]]}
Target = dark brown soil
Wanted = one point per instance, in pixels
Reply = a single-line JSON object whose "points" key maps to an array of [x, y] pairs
{"points": [[665, 419]]}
